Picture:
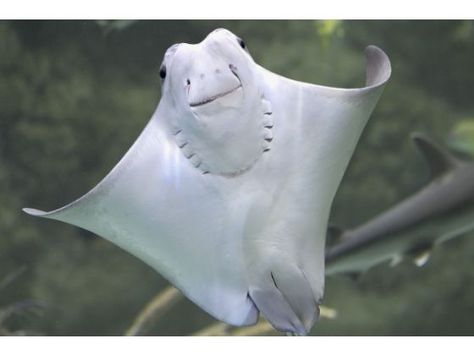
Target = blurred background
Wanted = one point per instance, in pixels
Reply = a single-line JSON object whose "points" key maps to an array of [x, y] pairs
{"points": [[74, 95]]}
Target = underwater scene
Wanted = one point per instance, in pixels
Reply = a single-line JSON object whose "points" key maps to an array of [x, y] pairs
{"points": [[212, 189]]}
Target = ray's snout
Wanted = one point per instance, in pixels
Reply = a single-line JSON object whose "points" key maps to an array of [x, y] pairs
{"points": [[207, 84]]}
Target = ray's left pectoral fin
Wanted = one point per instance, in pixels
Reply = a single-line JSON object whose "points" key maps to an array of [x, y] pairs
{"points": [[152, 205], [34, 212], [89, 210], [362, 99], [78, 212]]}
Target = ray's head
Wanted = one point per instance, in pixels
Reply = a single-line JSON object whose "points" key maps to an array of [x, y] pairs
{"points": [[212, 95], [209, 76]]}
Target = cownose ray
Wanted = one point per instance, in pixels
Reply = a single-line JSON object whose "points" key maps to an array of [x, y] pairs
{"points": [[438, 211], [227, 191]]}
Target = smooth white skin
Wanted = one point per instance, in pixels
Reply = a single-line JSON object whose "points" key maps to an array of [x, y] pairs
{"points": [[225, 136], [236, 217]]}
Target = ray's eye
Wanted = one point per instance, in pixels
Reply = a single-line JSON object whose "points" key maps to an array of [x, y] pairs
{"points": [[241, 42], [162, 72]]}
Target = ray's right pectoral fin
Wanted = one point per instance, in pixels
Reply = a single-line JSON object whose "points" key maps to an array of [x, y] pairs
{"points": [[378, 68], [359, 102]]}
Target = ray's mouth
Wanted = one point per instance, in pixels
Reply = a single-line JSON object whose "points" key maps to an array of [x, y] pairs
{"points": [[209, 99], [215, 97]]}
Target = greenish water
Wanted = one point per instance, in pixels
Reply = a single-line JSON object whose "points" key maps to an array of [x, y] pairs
{"points": [[74, 95]]}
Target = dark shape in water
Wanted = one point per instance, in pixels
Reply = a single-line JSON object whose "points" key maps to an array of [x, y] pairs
{"points": [[441, 210]]}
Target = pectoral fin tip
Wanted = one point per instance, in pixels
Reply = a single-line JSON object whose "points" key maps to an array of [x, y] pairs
{"points": [[34, 212]]}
